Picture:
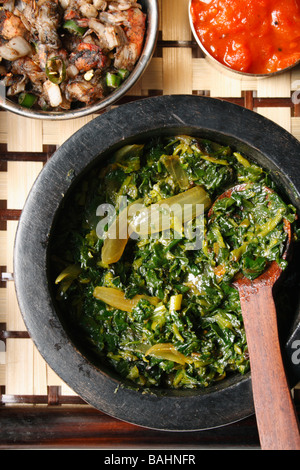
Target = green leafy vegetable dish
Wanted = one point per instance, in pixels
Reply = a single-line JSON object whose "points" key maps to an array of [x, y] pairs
{"points": [[155, 302]]}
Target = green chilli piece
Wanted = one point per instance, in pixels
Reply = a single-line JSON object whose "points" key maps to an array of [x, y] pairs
{"points": [[113, 80], [123, 74], [56, 70], [27, 99], [73, 28]]}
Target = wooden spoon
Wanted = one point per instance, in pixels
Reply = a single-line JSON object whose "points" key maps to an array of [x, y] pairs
{"points": [[276, 416]]}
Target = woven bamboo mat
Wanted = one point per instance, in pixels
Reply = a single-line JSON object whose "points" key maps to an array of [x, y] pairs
{"points": [[25, 146]]}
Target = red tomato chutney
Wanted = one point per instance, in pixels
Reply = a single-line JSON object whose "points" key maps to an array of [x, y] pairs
{"points": [[251, 36]]}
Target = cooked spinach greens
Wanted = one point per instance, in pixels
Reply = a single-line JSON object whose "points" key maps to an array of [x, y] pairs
{"points": [[156, 311]]}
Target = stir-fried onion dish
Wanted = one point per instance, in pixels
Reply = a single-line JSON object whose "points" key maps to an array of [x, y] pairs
{"points": [[59, 54], [157, 303]]}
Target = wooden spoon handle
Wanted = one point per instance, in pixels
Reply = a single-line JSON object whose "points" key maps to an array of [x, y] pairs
{"points": [[275, 413]]}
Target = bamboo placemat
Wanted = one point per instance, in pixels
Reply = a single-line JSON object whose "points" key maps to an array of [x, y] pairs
{"points": [[177, 67]]}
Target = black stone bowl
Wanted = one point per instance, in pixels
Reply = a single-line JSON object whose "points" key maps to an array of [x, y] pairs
{"points": [[258, 138]]}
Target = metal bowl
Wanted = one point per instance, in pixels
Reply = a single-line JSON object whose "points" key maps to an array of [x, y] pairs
{"points": [[150, 7], [223, 67], [171, 410]]}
